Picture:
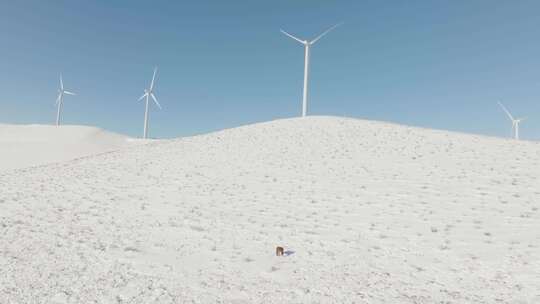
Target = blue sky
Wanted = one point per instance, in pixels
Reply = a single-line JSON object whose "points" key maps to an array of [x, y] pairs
{"points": [[436, 64]]}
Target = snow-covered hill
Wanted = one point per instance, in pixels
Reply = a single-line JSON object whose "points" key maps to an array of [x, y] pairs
{"points": [[24, 146], [370, 212]]}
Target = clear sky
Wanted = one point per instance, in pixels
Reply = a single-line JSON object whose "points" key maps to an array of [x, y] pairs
{"points": [[436, 64]]}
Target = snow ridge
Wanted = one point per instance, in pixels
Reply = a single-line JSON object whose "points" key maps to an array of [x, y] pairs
{"points": [[371, 212]]}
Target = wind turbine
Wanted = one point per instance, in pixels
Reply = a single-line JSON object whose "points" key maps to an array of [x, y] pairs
{"points": [[60, 99], [515, 122], [149, 93], [307, 44]]}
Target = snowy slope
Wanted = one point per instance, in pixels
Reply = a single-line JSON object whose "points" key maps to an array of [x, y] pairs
{"points": [[33, 145], [372, 213]]}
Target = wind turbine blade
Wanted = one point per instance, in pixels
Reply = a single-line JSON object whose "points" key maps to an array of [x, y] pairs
{"points": [[506, 111], [61, 83], [155, 100], [143, 96], [69, 93], [57, 99], [324, 33], [522, 119], [301, 41], [153, 78]]}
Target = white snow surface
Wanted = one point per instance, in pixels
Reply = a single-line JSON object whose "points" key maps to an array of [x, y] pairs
{"points": [[371, 212], [24, 146]]}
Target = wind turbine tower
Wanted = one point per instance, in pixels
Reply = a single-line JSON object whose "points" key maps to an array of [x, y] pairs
{"points": [[60, 99], [307, 44], [149, 93], [515, 122]]}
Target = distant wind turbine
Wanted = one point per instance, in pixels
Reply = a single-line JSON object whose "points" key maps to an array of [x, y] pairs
{"points": [[149, 93], [60, 99], [515, 122], [307, 44]]}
